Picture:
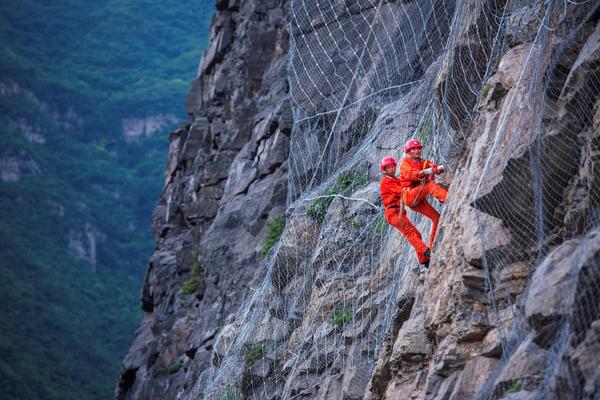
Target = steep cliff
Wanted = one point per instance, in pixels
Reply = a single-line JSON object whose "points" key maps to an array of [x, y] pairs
{"points": [[504, 93], [225, 179]]}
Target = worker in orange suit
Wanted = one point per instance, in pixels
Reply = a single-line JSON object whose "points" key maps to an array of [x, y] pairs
{"points": [[415, 182]]}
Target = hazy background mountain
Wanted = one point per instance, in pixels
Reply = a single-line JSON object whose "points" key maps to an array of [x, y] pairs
{"points": [[88, 91]]}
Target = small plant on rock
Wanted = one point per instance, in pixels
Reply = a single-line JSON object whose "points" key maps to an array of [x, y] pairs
{"points": [[340, 317], [424, 131], [515, 386], [191, 285], [346, 182], [485, 90], [254, 352], [231, 393], [352, 223], [173, 368], [378, 226], [274, 230]]}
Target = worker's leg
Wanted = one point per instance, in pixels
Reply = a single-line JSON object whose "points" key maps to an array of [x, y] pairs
{"points": [[413, 196], [427, 210], [436, 191], [413, 236]]}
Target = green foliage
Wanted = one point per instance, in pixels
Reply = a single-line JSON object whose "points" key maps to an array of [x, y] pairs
{"points": [[108, 59], [57, 322], [191, 285], [486, 90], [340, 317], [231, 393], [254, 352], [352, 223], [515, 386], [173, 368], [346, 183], [425, 131], [378, 226], [318, 208], [274, 230]]}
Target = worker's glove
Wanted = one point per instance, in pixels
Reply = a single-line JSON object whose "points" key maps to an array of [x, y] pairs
{"points": [[440, 169], [429, 171]]}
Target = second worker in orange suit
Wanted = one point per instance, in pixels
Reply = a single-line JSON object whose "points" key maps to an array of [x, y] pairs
{"points": [[416, 181]]}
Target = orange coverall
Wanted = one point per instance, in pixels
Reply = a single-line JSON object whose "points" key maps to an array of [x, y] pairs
{"points": [[415, 189], [391, 196]]}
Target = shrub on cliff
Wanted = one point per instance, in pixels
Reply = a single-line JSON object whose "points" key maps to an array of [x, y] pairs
{"points": [[274, 231]]}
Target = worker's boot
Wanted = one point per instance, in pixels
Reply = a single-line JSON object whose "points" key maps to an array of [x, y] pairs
{"points": [[427, 256]]}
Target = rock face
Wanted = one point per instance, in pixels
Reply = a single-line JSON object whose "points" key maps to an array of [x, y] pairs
{"points": [[338, 309], [225, 178]]}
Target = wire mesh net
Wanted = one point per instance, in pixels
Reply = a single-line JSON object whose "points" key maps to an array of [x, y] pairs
{"points": [[364, 77]]}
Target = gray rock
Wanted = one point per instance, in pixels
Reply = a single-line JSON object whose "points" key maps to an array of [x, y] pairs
{"points": [[476, 372], [318, 363], [523, 370], [476, 225], [262, 368], [356, 381], [411, 344], [198, 137], [474, 278], [552, 295]]}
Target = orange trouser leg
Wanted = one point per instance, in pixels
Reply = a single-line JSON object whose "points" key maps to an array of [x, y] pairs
{"points": [[399, 221], [436, 191], [413, 196], [427, 210]]}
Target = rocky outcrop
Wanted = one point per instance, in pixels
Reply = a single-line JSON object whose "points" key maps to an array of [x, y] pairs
{"points": [[13, 168], [82, 244], [225, 178], [339, 310], [134, 129], [470, 309]]}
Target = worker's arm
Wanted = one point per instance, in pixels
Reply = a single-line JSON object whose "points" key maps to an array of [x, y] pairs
{"points": [[433, 169], [408, 172]]}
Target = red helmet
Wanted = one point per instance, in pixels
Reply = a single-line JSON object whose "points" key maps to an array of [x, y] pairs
{"points": [[412, 144], [387, 161]]}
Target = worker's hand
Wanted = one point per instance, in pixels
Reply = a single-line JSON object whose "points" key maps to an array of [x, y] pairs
{"points": [[439, 169], [428, 171]]}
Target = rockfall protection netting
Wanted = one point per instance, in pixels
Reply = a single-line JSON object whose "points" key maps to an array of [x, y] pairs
{"points": [[364, 77]]}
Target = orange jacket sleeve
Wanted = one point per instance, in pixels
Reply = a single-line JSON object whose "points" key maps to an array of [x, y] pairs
{"points": [[409, 171]]}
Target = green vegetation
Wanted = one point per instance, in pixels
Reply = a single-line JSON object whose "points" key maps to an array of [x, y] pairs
{"points": [[340, 317], [108, 59], [515, 386], [352, 223], [274, 231], [78, 69], [486, 90], [254, 352], [346, 183], [173, 368], [231, 393], [191, 285], [425, 131], [379, 226]]}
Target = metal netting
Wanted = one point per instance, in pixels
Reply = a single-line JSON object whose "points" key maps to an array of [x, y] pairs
{"points": [[364, 77]]}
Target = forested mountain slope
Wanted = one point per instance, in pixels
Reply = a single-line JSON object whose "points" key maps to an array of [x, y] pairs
{"points": [[87, 92]]}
